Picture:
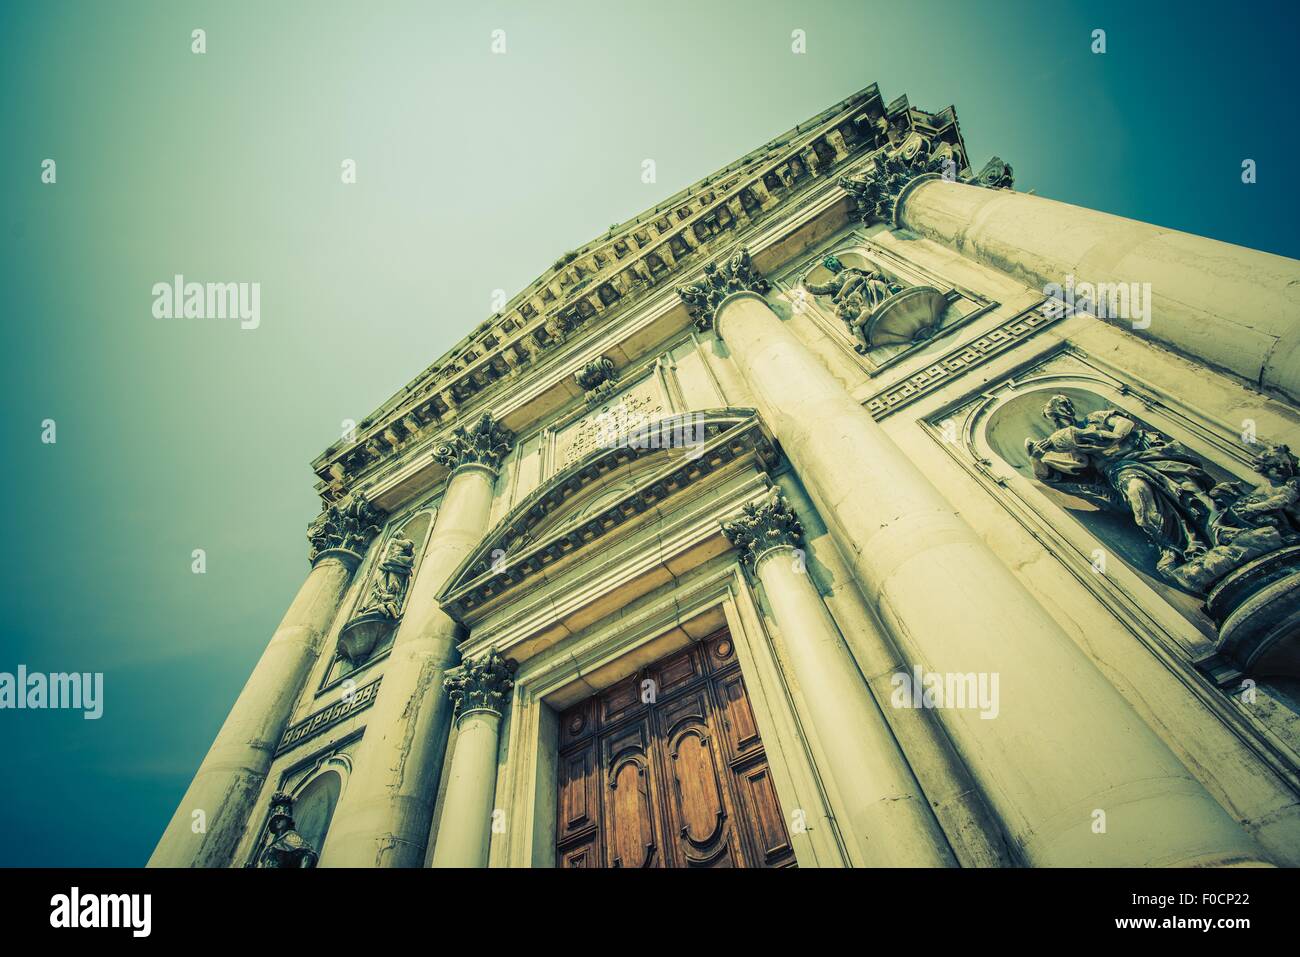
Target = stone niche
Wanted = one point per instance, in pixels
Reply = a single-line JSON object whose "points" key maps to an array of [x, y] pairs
{"points": [[875, 303], [381, 599], [1207, 522]]}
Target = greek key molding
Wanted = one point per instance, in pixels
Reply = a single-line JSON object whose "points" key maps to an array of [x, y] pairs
{"points": [[959, 361], [309, 727]]}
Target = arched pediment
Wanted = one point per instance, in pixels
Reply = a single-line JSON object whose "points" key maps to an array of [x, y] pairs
{"points": [[601, 492]]}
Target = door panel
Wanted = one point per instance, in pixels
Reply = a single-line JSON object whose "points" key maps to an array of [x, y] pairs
{"points": [[667, 769], [631, 826]]}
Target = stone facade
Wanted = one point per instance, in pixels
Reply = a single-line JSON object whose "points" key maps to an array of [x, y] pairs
{"points": [[982, 504]]}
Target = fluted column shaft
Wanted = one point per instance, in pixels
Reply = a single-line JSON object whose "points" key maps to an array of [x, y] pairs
{"points": [[383, 817], [889, 822], [480, 691], [231, 776], [1064, 744]]}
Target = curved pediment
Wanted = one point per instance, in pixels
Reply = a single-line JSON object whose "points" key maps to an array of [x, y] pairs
{"points": [[600, 493]]}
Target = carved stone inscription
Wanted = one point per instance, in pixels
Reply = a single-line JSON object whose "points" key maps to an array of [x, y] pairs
{"points": [[633, 408]]}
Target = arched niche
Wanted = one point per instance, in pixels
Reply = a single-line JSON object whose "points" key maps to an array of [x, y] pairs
{"points": [[415, 527], [1005, 418], [314, 803]]}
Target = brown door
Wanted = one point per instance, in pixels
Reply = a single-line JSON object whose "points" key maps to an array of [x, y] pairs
{"points": [[666, 769]]}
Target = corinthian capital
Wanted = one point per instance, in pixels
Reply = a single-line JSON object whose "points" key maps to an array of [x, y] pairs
{"points": [[764, 525], [481, 685], [721, 279], [349, 526], [483, 443], [877, 191]]}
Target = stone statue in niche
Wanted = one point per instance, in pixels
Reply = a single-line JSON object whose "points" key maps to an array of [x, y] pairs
{"points": [[389, 587], [1203, 528], [1276, 502], [383, 605], [855, 292], [286, 847], [878, 310]]}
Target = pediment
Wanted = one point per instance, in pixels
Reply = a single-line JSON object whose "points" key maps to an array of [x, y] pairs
{"points": [[595, 497]]}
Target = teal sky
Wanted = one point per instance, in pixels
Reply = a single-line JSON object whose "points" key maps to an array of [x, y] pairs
{"points": [[475, 172]]}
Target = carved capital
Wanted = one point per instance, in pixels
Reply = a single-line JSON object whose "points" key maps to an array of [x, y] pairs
{"points": [[483, 684], [349, 526], [877, 192], [483, 443], [721, 279], [764, 525]]}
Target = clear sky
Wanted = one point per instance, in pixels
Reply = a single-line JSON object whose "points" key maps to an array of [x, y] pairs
{"points": [[475, 171]]}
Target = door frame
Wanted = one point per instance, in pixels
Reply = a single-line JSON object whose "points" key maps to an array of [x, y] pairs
{"points": [[714, 595]]}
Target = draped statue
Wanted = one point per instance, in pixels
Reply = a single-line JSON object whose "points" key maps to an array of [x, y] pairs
{"points": [[1202, 528], [388, 589]]}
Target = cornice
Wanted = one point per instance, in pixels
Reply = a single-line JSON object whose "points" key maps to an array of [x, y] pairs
{"points": [[632, 264]]}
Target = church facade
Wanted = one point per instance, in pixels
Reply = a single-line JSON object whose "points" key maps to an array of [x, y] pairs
{"points": [[849, 508]]}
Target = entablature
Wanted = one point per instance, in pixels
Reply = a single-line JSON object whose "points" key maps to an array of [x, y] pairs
{"points": [[629, 267]]}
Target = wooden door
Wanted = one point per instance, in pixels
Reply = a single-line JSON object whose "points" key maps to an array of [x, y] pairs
{"points": [[667, 769]]}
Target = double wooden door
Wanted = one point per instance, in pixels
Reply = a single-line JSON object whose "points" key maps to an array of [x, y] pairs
{"points": [[667, 769]]}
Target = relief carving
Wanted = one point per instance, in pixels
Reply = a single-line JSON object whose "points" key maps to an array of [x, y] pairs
{"points": [[597, 379], [1204, 529]]}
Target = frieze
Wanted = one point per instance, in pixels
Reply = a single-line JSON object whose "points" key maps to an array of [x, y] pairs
{"points": [[309, 727], [616, 270], [961, 360]]}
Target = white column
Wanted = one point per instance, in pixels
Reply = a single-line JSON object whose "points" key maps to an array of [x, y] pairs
{"points": [[1232, 307], [1065, 744], [210, 819], [479, 691], [889, 822], [383, 817]]}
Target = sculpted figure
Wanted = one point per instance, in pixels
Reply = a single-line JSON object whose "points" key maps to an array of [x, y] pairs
{"points": [[855, 292], [286, 848], [1107, 457], [1277, 501], [389, 586], [1203, 529]]}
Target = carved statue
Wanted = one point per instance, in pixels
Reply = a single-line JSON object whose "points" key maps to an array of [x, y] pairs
{"points": [[1203, 529], [597, 378], [389, 586], [854, 292], [286, 847]]}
